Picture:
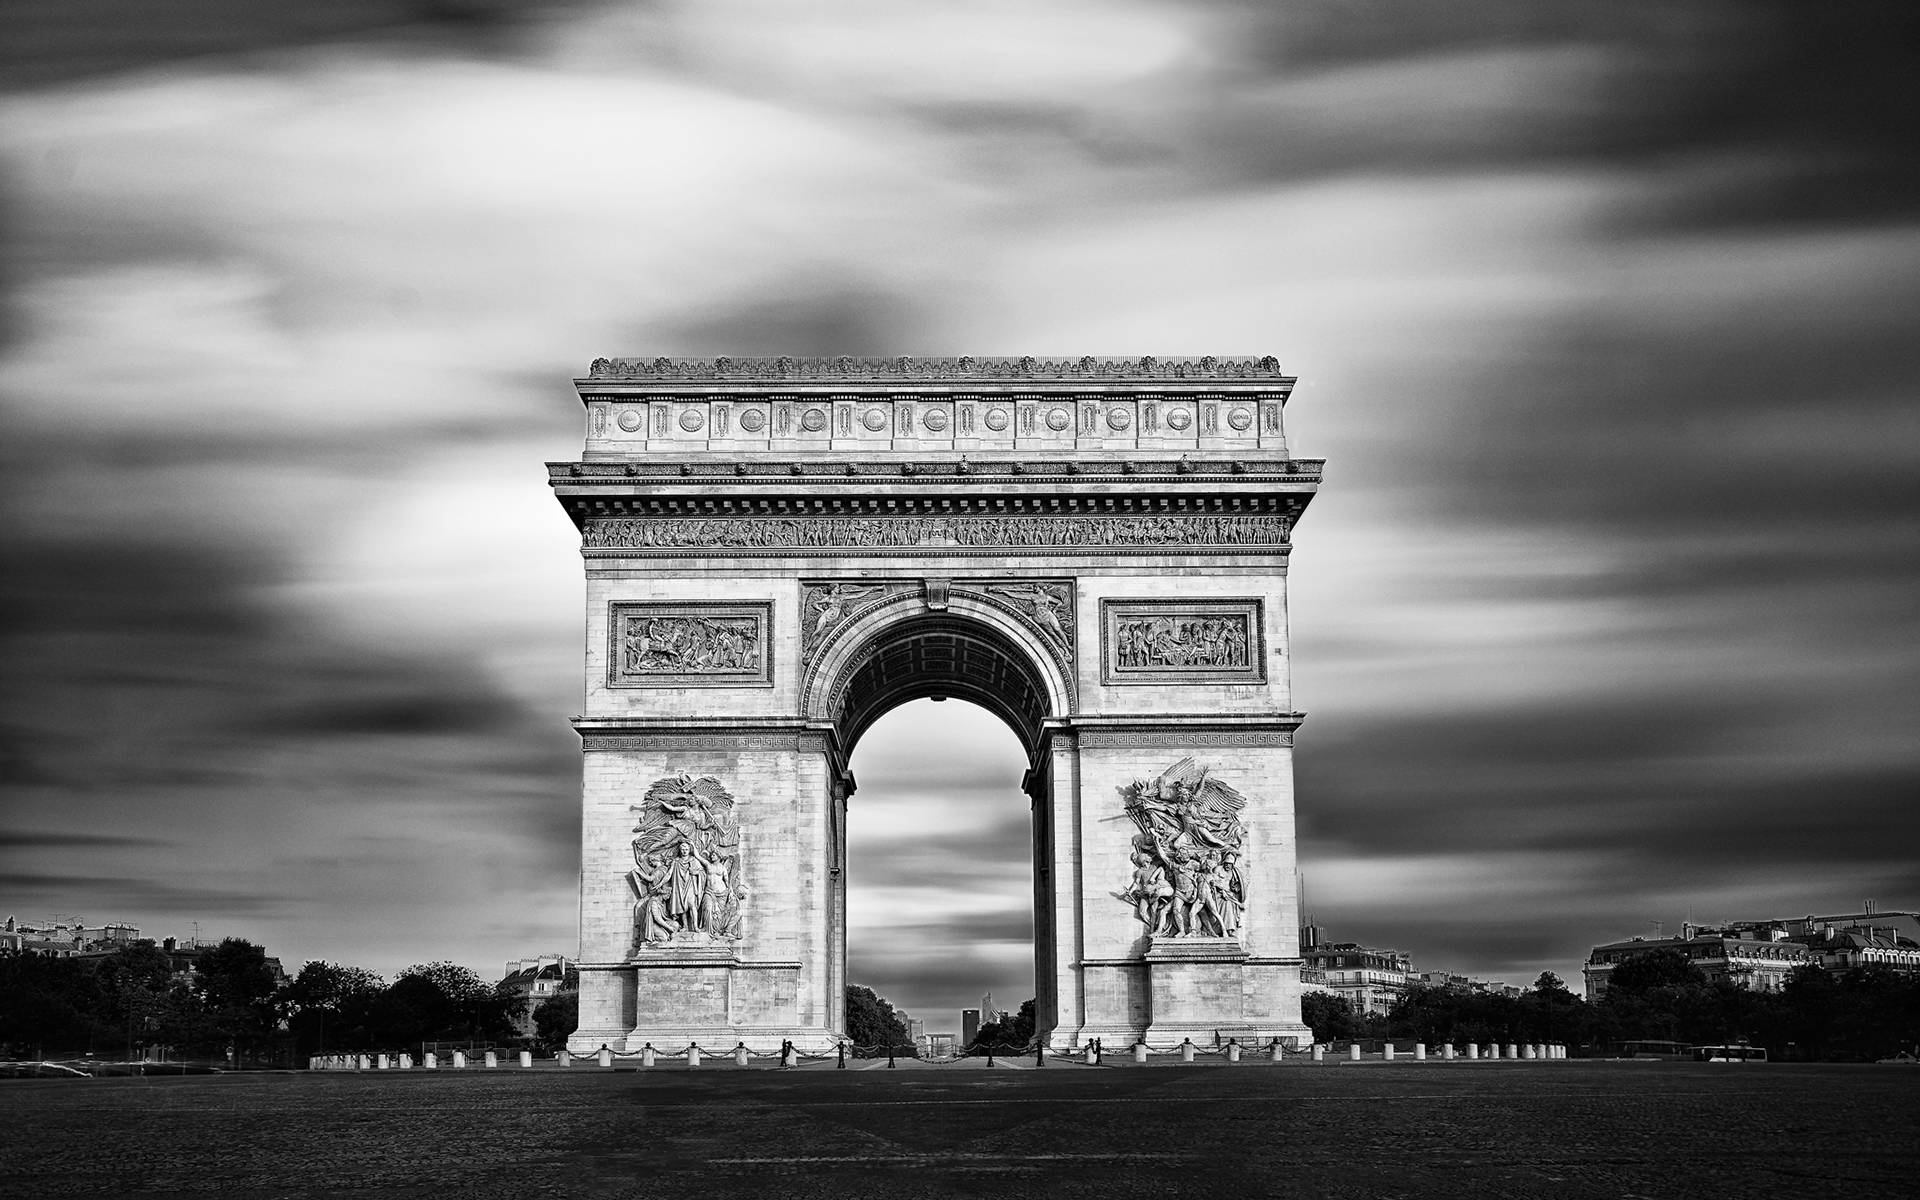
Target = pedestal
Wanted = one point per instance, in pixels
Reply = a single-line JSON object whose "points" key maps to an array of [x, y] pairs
{"points": [[1196, 989]]}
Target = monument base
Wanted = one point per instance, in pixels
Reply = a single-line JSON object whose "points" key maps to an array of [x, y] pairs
{"points": [[1196, 988], [705, 995]]}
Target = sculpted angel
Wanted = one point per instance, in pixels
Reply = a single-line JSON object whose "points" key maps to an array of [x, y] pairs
{"points": [[831, 603]]}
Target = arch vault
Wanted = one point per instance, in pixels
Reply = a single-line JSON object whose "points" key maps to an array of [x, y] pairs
{"points": [[779, 551]]}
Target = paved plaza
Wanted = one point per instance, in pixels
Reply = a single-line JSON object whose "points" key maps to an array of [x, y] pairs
{"points": [[1565, 1129]]}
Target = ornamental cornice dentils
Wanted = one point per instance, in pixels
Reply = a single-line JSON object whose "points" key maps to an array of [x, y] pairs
{"points": [[964, 366]]}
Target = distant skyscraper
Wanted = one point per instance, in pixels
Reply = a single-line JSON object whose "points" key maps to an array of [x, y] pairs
{"points": [[969, 1025]]}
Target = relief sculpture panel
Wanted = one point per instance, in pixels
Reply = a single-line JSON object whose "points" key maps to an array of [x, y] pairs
{"points": [[1175, 641], [1186, 854], [686, 878], [688, 644]]}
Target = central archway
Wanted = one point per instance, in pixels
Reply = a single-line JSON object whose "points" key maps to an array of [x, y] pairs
{"points": [[941, 643], [940, 871]]}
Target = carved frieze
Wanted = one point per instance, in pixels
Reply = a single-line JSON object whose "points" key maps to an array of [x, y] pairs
{"points": [[1186, 880], [1175, 641], [688, 644], [686, 878], [853, 533]]}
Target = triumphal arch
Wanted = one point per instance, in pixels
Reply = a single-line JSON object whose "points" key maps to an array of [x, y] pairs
{"points": [[780, 550]]}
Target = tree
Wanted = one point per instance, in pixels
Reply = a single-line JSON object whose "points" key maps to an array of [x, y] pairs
{"points": [[555, 1020], [47, 1005], [331, 1005], [874, 1027], [443, 1001], [1663, 968], [1330, 1017], [1013, 1033], [236, 986]]}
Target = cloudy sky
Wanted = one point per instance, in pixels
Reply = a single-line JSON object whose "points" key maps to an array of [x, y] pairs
{"points": [[1604, 317]]}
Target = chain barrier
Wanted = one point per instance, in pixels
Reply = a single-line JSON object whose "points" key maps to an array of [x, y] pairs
{"points": [[1092, 1053]]}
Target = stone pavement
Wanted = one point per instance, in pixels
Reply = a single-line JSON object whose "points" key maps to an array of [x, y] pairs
{"points": [[1566, 1129]]}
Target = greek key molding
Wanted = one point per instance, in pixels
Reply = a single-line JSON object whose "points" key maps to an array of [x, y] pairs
{"points": [[1178, 738], [717, 741], [932, 533], [1159, 641], [964, 366], [688, 643]]}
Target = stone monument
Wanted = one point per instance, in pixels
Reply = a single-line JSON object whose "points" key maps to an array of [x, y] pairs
{"points": [[780, 550]]}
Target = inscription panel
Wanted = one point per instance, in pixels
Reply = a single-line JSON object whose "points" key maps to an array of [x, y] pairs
{"points": [[1182, 641], [677, 643]]}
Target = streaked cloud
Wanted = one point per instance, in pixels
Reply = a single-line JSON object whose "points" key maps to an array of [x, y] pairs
{"points": [[1601, 316]]}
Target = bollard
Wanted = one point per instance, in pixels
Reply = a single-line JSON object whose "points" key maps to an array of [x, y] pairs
{"points": [[1186, 1049], [740, 1055], [1386, 1052], [492, 1060], [366, 1064], [789, 1057], [1276, 1051], [459, 1060], [605, 1055], [843, 1058], [433, 1061], [566, 1060], [1319, 1053], [406, 1062], [1513, 1051], [1353, 1052], [526, 1058], [1039, 1056], [1419, 1052], [1086, 1054], [1140, 1052], [1233, 1051], [693, 1055], [1447, 1052]]}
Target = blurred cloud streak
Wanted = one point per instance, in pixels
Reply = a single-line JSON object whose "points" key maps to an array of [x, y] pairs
{"points": [[1601, 312]]}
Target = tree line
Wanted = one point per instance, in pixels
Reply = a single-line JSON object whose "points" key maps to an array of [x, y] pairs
{"points": [[231, 1005], [1860, 1014]]}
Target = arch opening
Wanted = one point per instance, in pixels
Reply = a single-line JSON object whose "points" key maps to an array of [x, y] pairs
{"points": [[940, 871], [937, 655]]}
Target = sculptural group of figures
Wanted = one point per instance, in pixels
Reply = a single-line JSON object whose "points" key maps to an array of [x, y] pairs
{"points": [[1186, 874], [690, 645], [686, 863], [1183, 641]]}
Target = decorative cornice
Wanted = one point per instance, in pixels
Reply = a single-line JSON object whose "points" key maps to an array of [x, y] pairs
{"points": [[957, 467], [966, 366]]}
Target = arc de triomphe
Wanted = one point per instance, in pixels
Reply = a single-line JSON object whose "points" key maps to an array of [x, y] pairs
{"points": [[779, 551]]}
